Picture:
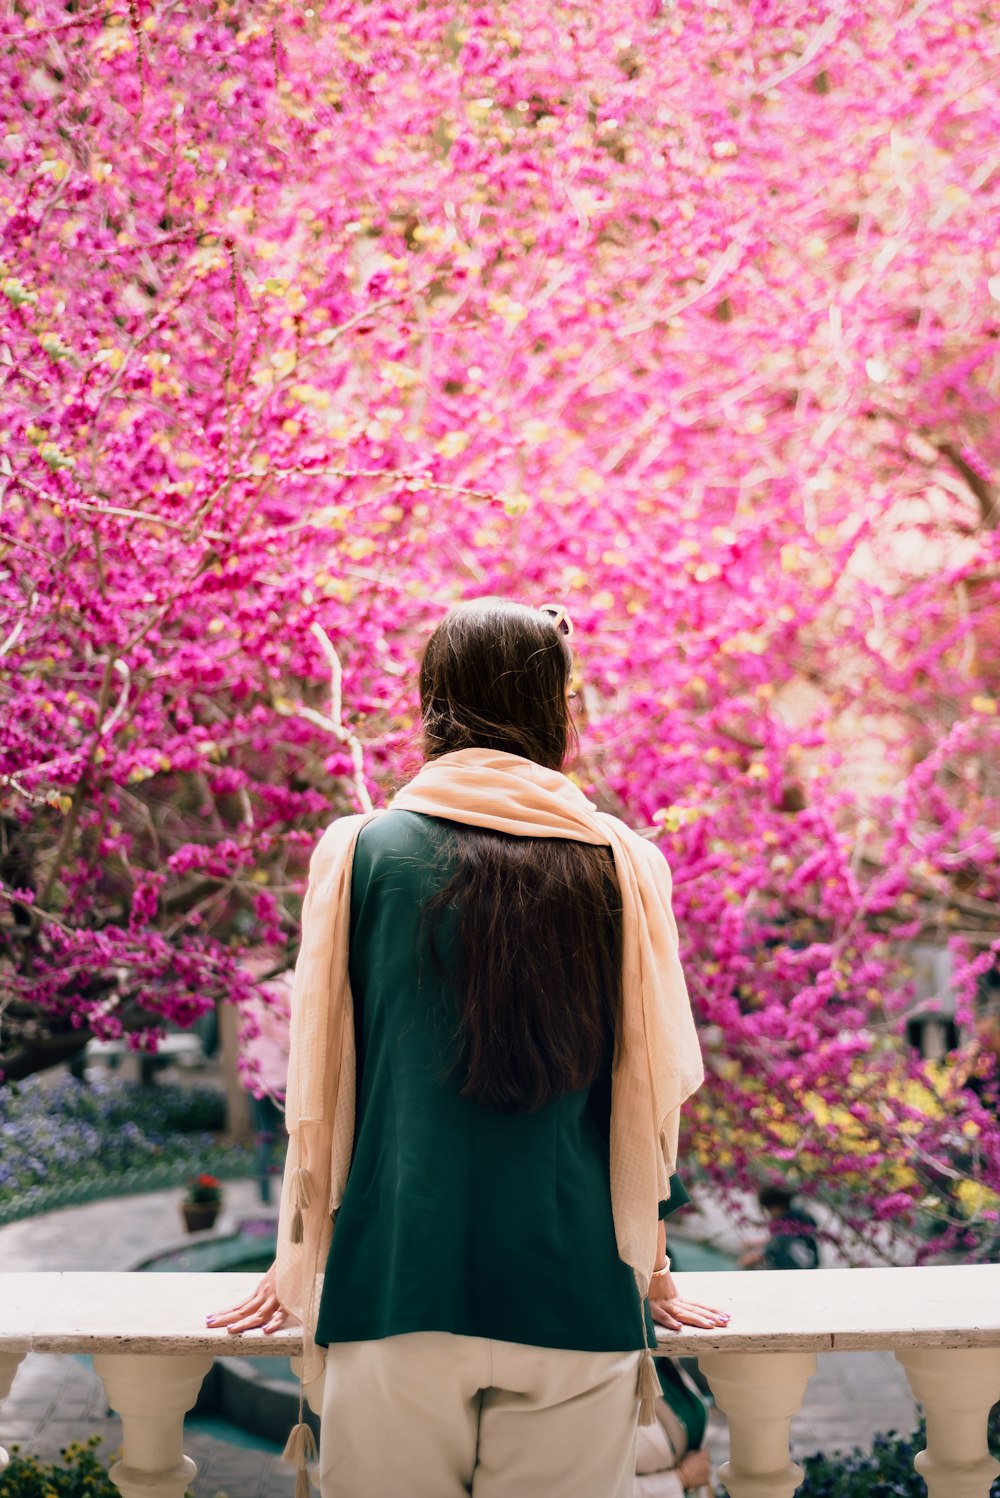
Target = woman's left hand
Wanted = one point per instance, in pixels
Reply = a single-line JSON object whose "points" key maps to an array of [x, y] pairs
{"points": [[671, 1311], [261, 1311]]}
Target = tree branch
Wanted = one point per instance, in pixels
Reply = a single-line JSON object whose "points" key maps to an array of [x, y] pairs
{"points": [[334, 722], [986, 493]]}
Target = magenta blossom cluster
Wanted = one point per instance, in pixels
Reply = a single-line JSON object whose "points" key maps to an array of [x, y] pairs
{"points": [[316, 319]]}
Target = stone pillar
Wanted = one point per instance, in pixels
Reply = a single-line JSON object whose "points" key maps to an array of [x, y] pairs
{"points": [[151, 1392], [957, 1387], [9, 1364], [759, 1392]]}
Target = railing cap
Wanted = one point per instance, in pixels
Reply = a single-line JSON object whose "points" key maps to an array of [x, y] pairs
{"points": [[778, 1311]]}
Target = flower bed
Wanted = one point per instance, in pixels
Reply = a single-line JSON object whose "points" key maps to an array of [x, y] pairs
{"points": [[71, 1142], [887, 1470], [80, 1474]]}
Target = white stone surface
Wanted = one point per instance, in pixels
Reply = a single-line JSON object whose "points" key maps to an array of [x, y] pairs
{"points": [[830, 1310], [943, 1323], [162, 1313], [821, 1310]]}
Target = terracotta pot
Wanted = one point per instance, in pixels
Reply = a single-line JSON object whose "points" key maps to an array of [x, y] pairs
{"points": [[199, 1216]]}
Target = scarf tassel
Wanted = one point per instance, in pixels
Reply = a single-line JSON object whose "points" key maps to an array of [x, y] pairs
{"points": [[301, 1196], [300, 1450], [647, 1389]]}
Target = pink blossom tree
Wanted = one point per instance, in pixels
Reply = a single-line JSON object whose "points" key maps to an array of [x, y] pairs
{"points": [[314, 320]]}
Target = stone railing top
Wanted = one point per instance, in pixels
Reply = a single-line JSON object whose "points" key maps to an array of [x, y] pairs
{"points": [[820, 1310], [830, 1310], [116, 1312]]}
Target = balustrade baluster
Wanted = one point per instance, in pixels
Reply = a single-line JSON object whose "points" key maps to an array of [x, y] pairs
{"points": [[957, 1387], [759, 1392], [9, 1364], [151, 1392], [148, 1337]]}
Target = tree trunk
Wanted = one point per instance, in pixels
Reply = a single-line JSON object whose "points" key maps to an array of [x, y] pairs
{"points": [[239, 1127]]}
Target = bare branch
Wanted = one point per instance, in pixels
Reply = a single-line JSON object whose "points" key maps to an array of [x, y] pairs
{"points": [[410, 477], [334, 723], [985, 492], [18, 629], [336, 719], [122, 702], [370, 311], [336, 673], [22, 790], [96, 12], [821, 37]]}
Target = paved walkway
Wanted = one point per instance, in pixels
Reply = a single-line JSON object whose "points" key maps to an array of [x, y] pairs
{"points": [[55, 1400]]}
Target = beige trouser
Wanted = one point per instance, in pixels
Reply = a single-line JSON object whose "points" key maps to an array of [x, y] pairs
{"points": [[431, 1415]]}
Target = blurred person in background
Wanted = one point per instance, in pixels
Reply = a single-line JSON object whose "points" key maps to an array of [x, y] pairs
{"points": [[671, 1459], [791, 1241]]}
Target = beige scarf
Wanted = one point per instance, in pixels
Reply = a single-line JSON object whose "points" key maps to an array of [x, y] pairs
{"points": [[659, 1065]]}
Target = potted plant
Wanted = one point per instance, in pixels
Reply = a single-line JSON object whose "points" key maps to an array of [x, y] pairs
{"points": [[202, 1204]]}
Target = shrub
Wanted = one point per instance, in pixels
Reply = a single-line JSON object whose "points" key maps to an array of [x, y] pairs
{"points": [[887, 1469], [73, 1141], [80, 1474]]}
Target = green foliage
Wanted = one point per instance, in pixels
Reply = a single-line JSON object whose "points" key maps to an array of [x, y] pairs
{"points": [[74, 1142], [80, 1474], [204, 1189], [887, 1470]]}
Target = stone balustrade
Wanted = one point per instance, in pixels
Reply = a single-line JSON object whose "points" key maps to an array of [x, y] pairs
{"points": [[150, 1345]]}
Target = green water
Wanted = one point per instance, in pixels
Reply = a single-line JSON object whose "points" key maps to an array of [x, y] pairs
{"points": [[253, 1253], [686, 1254], [245, 1251], [233, 1435]]}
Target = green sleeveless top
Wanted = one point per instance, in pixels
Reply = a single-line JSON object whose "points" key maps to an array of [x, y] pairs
{"points": [[456, 1218]]}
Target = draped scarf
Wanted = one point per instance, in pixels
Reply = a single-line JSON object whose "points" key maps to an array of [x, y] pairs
{"points": [[657, 1065]]}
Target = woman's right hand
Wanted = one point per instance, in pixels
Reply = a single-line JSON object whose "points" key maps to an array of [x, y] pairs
{"points": [[695, 1470], [669, 1310], [261, 1310]]}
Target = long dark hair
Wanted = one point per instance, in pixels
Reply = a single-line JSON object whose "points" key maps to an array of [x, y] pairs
{"points": [[538, 966]]}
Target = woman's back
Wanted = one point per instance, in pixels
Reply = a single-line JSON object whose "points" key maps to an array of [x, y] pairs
{"points": [[458, 1217]]}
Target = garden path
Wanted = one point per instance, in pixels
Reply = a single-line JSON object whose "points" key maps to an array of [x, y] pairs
{"points": [[56, 1400]]}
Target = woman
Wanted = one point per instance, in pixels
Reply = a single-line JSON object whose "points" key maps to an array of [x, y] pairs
{"points": [[670, 1458], [491, 1041]]}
